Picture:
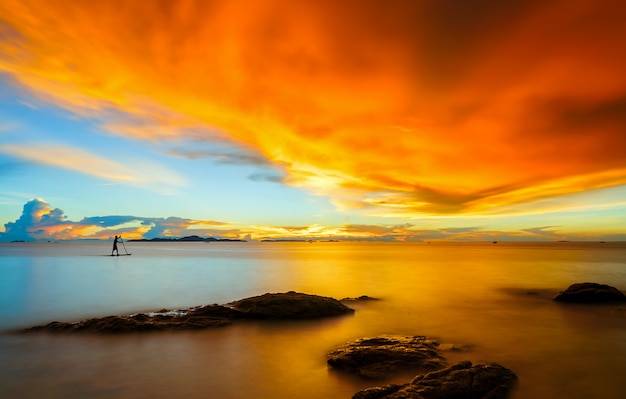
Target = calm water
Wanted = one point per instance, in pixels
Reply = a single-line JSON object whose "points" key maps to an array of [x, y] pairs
{"points": [[492, 298]]}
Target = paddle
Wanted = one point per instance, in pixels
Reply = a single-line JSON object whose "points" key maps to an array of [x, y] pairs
{"points": [[122, 241]]}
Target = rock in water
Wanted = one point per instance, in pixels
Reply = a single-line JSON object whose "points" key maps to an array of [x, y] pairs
{"points": [[290, 305], [188, 319], [362, 298], [379, 357], [460, 381], [590, 293]]}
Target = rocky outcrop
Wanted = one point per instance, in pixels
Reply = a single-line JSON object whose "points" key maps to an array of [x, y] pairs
{"points": [[379, 357], [290, 305], [163, 320], [460, 381], [590, 293]]}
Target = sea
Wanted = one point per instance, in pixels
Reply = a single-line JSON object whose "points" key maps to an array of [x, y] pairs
{"points": [[484, 302]]}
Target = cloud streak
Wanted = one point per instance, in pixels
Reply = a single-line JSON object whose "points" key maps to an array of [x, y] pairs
{"points": [[404, 108], [138, 173]]}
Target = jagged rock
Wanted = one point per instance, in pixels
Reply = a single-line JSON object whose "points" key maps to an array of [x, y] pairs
{"points": [[379, 357], [164, 320], [291, 305], [590, 293], [218, 311], [460, 381], [379, 392]]}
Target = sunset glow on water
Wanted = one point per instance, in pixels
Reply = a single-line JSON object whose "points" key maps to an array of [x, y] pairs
{"points": [[491, 300]]}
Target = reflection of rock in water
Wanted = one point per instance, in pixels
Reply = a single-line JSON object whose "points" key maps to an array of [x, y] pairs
{"points": [[590, 293], [381, 356], [530, 292], [460, 381], [290, 305]]}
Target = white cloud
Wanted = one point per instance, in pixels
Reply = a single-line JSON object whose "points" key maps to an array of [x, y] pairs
{"points": [[40, 221], [135, 172]]}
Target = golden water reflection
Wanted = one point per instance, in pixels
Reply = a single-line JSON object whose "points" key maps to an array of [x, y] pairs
{"points": [[493, 300]]}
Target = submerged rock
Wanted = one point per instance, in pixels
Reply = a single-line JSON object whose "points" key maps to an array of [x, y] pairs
{"points": [[590, 293], [362, 298], [290, 305], [460, 381], [379, 357]]}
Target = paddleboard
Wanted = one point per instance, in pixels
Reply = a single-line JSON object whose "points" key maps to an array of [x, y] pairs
{"points": [[120, 255]]}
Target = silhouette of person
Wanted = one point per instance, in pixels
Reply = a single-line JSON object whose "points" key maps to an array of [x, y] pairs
{"points": [[115, 246]]}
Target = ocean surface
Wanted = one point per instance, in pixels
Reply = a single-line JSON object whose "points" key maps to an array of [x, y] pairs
{"points": [[491, 300]]}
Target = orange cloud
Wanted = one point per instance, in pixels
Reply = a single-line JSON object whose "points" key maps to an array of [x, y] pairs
{"points": [[39, 221], [407, 107]]}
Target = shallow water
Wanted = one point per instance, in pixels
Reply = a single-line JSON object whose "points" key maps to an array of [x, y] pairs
{"points": [[493, 300]]}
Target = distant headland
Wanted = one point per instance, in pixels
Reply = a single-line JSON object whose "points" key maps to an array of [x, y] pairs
{"points": [[187, 239]]}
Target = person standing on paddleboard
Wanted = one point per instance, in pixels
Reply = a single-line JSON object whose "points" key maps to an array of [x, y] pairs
{"points": [[115, 246]]}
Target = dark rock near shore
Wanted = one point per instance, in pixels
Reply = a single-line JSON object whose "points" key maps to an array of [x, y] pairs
{"points": [[381, 356], [460, 381], [590, 293], [290, 305], [164, 320]]}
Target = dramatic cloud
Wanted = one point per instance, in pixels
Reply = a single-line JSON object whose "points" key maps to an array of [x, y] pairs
{"points": [[36, 217], [407, 233], [398, 108], [178, 227], [39, 221]]}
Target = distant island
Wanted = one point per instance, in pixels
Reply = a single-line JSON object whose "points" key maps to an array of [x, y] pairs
{"points": [[187, 239]]}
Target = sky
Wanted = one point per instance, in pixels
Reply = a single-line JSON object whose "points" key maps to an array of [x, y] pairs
{"points": [[359, 119]]}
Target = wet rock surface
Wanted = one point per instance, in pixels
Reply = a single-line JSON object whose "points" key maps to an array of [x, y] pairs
{"points": [[590, 293], [380, 357], [164, 320], [460, 381], [290, 305]]}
